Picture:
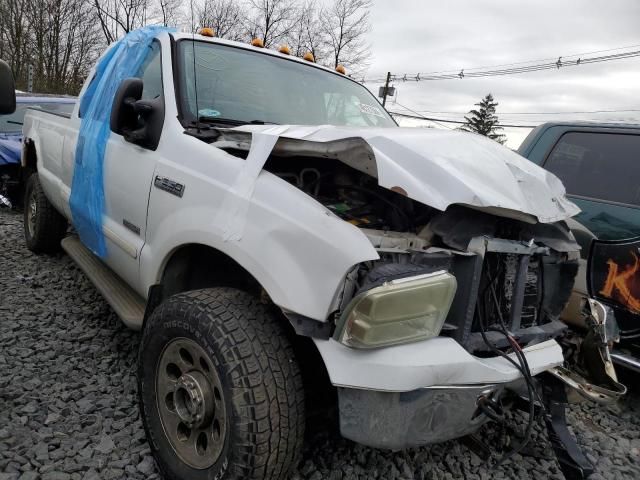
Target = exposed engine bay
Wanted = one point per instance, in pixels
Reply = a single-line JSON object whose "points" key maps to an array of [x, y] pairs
{"points": [[510, 273]]}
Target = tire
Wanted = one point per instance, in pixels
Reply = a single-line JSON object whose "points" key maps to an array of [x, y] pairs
{"points": [[237, 355], [44, 226]]}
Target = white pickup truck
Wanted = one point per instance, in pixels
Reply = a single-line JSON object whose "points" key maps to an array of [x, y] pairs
{"points": [[270, 229]]}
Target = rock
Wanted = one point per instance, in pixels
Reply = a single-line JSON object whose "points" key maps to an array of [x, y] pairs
{"points": [[146, 466], [106, 445], [9, 476], [29, 476], [55, 475], [52, 418]]}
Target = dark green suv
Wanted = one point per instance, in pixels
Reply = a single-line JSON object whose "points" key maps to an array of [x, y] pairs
{"points": [[599, 165]]}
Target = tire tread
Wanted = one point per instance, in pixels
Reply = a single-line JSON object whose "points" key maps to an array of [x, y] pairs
{"points": [[266, 381]]}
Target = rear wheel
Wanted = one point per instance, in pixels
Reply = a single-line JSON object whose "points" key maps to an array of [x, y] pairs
{"points": [[220, 390], [44, 227]]}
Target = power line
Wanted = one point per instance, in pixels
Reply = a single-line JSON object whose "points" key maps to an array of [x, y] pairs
{"points": [[537, 113], [559, 63], [533, 61], [417, 115], [438, 120]]}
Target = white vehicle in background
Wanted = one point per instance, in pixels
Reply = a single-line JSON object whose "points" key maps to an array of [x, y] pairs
{"points": [[269, 228]]}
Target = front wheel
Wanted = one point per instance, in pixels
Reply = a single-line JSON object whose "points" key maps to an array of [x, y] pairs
{"points": [[220, 390]]}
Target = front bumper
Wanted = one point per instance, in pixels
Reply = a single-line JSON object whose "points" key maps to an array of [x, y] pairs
{"points": [[399, 420], [425, 392], [439, 361]]}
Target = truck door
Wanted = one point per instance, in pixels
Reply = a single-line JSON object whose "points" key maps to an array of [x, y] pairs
{"points": [[128, 173]]}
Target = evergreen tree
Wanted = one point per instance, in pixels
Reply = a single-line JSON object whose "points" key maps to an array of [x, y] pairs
{"points": [[484, 120]]}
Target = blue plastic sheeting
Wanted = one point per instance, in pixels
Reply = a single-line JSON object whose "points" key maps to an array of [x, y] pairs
{"points": [[122, 60], [10, 148]]}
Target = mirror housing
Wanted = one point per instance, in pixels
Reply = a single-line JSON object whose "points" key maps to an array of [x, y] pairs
{"points": [[7, 90], [138, 121]]}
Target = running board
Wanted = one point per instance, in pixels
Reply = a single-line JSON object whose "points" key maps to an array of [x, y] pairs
{"points": [[625, 360], [127, 304]]}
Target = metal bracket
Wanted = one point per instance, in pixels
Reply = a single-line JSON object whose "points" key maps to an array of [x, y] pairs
{"points": [[573, 463], [595, 393]]}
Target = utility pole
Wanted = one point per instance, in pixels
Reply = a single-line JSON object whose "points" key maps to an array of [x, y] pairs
{"points": [[30, 78], [386, 89]]}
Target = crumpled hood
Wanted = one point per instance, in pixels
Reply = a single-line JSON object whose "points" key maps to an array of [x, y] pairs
{"points": [[440, 168]]}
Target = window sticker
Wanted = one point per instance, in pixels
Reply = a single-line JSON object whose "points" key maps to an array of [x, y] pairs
{"points": [[371, 110], [208, 113]]}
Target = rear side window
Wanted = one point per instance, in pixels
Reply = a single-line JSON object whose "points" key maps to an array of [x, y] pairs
{"points": [[602, 166]]}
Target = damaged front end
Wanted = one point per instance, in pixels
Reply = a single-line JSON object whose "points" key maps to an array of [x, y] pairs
{"points": [[497, 286], [459, 316]]}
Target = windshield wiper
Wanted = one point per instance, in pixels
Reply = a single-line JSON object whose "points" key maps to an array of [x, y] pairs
{"points": [[233, 121], [14, 122]]}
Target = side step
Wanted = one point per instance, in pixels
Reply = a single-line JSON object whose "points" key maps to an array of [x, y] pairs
{"points": [[128, 305], [625, 360]]}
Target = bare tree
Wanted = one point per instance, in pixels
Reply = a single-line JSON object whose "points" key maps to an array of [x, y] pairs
{"points": [[271, 20], [307, 34], [59, 39], [118, 17], [14, 31], [226, 17], [62, 43], [169, 12], [346, 23]]}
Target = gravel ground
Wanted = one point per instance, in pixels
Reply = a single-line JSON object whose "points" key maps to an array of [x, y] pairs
{"points": [[68, 397]]}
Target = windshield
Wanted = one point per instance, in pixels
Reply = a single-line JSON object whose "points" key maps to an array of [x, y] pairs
{"points": [[12, 123], [238, 84]]}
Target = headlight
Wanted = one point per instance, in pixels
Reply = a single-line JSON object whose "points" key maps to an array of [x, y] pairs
{"points": [[400, 311]]}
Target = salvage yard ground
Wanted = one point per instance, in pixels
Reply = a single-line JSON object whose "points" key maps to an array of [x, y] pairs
{"points": [[68, 401]]}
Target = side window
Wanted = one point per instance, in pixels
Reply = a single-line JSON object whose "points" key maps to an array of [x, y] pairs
{"points": [[602, 166], [151, 73]]}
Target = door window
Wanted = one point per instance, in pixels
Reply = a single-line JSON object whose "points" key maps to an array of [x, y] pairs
{"points": [[602, 166], [151, 74]]}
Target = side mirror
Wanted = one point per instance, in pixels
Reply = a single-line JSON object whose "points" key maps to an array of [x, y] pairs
{"points": [[7, 90], [138, 121]]}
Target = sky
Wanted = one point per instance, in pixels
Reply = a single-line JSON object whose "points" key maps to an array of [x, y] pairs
{"points": [[410, 36]]}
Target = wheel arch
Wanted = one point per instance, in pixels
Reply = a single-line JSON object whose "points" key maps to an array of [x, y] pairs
{"points": [[29, 158], [195, 265]]}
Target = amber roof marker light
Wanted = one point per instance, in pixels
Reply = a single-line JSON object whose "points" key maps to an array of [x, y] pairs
{"points": [[309, 57], [284, 49], [341, 69], [207, 32], [257, 42]]}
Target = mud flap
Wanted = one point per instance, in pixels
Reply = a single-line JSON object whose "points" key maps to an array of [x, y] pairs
{"points": [[573, 463]]}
